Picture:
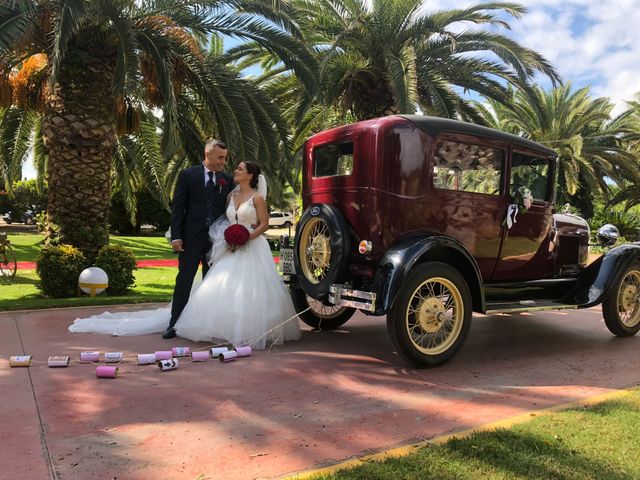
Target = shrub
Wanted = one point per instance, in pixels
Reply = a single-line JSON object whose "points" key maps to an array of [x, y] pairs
{"points": [[59, 267], [119, 263], [628, 223], [150, 212], [26, 196]]}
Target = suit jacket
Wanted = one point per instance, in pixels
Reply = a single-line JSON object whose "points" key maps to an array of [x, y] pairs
{"points": [[189, 209]]}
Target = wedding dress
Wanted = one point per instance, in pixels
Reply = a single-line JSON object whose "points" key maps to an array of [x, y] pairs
{"points": [[241, 300]]}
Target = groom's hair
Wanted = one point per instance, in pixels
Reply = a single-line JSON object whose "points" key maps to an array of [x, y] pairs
{"points": [[212, 142], [253, 169]]}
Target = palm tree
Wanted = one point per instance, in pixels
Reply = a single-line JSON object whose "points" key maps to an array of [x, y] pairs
{"points": [[90, 69], [630, 194], [16, 127], [389, 56], [589, 143]]}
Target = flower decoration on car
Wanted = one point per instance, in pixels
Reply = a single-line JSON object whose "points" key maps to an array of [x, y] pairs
{"points": [[236, 236], [520, 202]]}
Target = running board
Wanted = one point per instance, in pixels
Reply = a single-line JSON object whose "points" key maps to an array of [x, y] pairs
{"points": [[526, 306]]}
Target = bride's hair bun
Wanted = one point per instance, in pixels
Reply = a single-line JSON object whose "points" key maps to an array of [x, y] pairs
{"points": [[254, 169]]}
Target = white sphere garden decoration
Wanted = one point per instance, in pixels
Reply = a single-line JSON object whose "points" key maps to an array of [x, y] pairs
{"points": [[93, 280]]}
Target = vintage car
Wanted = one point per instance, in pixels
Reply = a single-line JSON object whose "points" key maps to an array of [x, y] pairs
{"points": [[415, 218]]}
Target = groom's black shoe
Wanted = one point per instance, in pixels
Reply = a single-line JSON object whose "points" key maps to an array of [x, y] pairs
{"points": [[169, 333]]}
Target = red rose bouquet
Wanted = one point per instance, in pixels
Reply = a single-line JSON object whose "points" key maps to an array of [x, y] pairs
{"points": [[236, 236]]}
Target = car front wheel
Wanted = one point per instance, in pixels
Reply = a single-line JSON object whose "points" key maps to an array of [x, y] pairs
{"points": [[318, 315], [431, 315], [621, 304]]}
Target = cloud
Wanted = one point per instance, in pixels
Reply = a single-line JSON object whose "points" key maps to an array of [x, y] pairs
{"points": [[589, 42]]}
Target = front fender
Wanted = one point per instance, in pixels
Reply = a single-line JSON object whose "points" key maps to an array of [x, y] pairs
{"points": [[598, 278], [399, 260]]}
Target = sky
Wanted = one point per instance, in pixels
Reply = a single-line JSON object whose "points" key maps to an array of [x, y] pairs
{"points": [[590, 42]]}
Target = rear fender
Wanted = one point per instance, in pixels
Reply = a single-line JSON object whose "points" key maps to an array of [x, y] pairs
{"points": [[598, 278], [398, 262]]}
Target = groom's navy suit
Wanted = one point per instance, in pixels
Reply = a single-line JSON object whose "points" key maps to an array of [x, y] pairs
{"points": [[193, 210]]}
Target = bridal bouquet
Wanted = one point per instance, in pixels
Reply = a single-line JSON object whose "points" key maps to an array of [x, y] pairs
{"points": [[236, 236]]}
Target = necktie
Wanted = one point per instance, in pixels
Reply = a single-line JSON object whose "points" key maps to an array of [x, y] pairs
{"points": [[210, 191]]}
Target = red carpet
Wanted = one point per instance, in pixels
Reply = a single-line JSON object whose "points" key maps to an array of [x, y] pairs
{"points": [[171, 262]]}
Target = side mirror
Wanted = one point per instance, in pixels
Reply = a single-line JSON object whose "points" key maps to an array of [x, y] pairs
{"points": [[607, 235]]}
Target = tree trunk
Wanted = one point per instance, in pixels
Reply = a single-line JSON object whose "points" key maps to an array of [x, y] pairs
{"points": [[80, 138], [372, 98]]}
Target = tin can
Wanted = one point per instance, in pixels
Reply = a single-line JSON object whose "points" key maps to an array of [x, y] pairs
{"points": [[106, 371], [170, 364], [89, 357], [228, 356], [113, 357], [20, 361], [200, 356], [163, 354], [146, 358], [59, 361], [181, 351], [215, 351], [243, 351]]}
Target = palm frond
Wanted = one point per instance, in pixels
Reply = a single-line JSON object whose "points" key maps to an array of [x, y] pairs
{"points": [[67, 21]]}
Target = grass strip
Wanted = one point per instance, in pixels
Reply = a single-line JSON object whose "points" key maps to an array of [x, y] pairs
{"points": [[590, 442]]}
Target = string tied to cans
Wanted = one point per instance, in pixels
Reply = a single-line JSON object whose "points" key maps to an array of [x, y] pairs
{"points": [[165, 360]]}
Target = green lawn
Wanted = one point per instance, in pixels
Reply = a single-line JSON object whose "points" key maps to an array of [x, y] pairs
{"points": [[598, 442], [27, 246], [152, 284], [20, 293]]}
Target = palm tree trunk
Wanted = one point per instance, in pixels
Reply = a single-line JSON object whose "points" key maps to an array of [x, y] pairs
{"points": [[80, 137], [373, 99]]}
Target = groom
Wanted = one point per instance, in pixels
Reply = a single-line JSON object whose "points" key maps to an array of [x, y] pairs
{"points": [[199, 199]]}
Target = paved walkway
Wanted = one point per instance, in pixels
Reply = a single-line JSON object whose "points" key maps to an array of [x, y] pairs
{"points": [[325, 398]]}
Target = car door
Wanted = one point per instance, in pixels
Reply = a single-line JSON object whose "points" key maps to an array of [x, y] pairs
{"points": [[525, 252], [469, 195]]}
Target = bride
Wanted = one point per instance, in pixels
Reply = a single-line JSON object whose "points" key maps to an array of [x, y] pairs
{"points": [[242, 298]]}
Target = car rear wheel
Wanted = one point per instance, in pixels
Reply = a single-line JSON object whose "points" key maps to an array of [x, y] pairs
{"points": [[322, 249], [621, 305], [319, 315], [431, 315]]}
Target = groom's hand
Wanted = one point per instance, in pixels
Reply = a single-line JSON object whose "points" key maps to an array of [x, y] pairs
{"points": [[177, 245]]}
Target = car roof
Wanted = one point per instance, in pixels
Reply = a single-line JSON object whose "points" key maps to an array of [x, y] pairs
{"points": [[436, 125]]}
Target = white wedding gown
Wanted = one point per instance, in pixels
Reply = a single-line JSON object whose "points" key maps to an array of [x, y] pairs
{"points": [[242, 299]]}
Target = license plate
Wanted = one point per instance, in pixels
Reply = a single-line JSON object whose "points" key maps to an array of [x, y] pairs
{"points": [[286, 261]]}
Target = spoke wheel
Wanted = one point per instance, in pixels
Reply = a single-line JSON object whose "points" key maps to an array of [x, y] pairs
{"points": [[621, 305], [320, 316], [8, 264], [315, 250], [431, 315], [322, 250], [434, 315]]}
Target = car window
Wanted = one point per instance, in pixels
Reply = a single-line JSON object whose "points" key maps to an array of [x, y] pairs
{"points": [[532, 172], [333, 159], [467, 167]]}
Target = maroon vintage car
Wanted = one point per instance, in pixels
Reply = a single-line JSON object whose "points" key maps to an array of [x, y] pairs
{"points": [[423, 220]]}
